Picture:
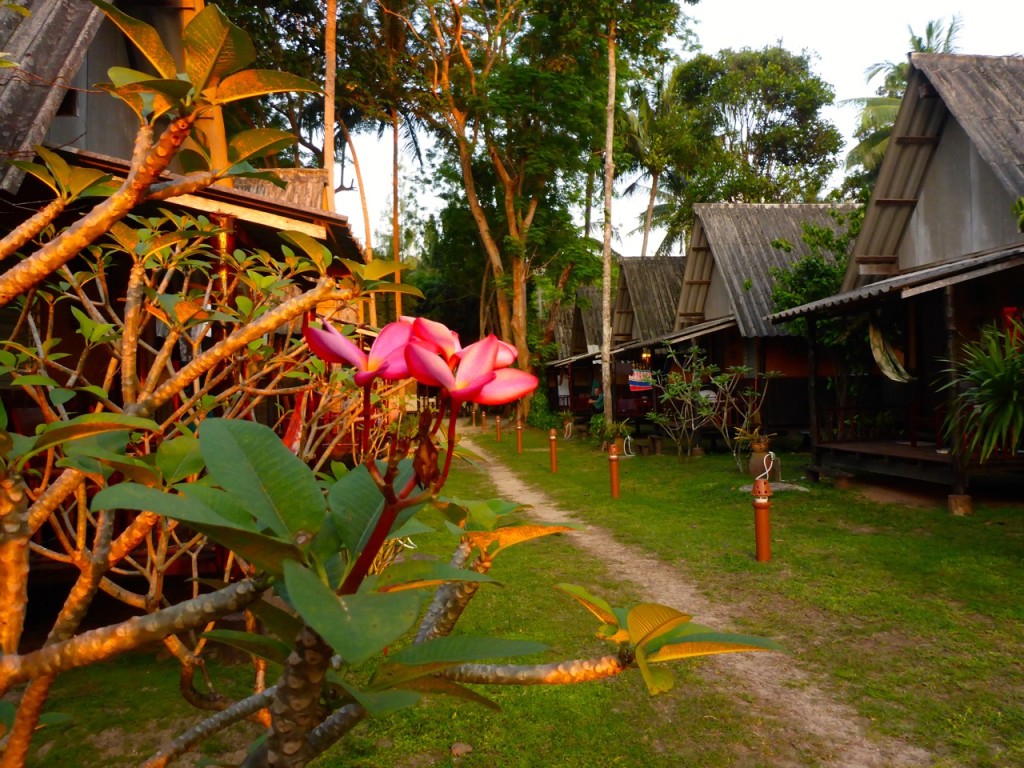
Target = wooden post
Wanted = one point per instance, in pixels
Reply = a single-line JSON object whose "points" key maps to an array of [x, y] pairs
{"points": [[553, 439], [519, 436], [613, 469], [497, 429]]}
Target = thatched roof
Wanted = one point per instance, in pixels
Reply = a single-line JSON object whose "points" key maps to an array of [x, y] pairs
{"points": [[646, 298], [731, 250]]}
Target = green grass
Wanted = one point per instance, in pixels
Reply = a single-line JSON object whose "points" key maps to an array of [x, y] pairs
{"points": [[914, 615], [910, 615]]}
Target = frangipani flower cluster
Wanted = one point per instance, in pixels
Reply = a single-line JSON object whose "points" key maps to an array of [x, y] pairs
{"points": [[429, 352]]}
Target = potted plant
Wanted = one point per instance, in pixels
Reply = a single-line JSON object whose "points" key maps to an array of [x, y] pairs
{"points": [[759, 445], [617, 432]]}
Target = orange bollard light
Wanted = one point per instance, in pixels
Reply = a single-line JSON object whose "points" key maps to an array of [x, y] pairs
{"points": [[519, 436], [497, 429], [483, 419], [762, 525], [553, 439], [613, 469], [473, 412]]}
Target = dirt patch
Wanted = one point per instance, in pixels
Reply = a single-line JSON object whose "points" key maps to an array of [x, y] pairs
{"points": [[805, 718]]}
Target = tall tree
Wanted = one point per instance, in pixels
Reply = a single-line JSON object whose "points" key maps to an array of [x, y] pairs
{"points": [[770, 141], [878, 112]]}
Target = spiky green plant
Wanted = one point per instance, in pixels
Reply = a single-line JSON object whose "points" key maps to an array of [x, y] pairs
{"points": [[989, 400]]}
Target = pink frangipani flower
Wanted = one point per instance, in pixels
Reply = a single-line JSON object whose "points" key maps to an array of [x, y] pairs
{"points": [[475, 379], [436, 337], [386, 359]]}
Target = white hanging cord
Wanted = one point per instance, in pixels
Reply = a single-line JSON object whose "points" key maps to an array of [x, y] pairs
{"points": [[769, 461]]}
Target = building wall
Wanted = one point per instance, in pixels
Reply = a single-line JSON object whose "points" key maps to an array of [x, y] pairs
{"points": [[962, 207], [717, 304]]}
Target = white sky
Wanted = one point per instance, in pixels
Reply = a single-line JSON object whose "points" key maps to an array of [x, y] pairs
{"points": [[843, 40]]}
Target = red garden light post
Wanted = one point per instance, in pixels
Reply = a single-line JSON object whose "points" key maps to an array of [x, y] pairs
{"points": [[519, 436], [497, 429], [553, 439], [613, 469], [762, 525]]}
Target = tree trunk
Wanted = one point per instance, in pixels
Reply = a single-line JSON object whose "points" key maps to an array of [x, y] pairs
{"points": [[368, 245], [330, 77], [396, 235], [650, 212], [606, 276], [556, 304]]}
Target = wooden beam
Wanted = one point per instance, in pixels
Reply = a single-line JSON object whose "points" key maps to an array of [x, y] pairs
{"points": [[866, 259], [910, 201], [272, 220], [696, 282], [917, 140], [878, 269]]}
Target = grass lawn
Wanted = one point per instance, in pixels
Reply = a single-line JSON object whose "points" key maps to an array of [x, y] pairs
{"points": [[915, 617], [910, 615]]}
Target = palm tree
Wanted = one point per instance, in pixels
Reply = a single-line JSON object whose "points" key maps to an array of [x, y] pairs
{"points": [[648, 130], [878, 112]]}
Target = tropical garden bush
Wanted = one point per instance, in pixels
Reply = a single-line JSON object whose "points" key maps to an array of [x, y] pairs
{"points": [[195, 413]]}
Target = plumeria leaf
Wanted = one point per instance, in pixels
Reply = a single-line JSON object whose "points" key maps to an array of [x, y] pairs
{"points": [[179, 458], [279, 622], [262, 646], [417, 574], [249, 461], [708, 643], [437, 685], [355, 626], [658, 679], [144, 37], [314, 249], [214, 47], [260, 82], [596, 605], [648, 620], [87, 425], [380, 702]]}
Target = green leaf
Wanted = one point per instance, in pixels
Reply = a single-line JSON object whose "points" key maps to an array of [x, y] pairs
{"points": [[404, 288], [89, 424], [249, 461], [377, 703], [33, 380], [460, 649], [179, 458], [314, 249], [708, 643], [40, 172], [440, 686], [596, 605], [658, 680], [57, 165], [258, 645], [144, 37], [258, 82], [262, 551], [59, 395], [417, 574], [257, 143], [214, 47], [276, 620], [354, 502], [649, 620], [355, 626]]}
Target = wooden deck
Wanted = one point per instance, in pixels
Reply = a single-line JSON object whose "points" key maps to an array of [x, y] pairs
{"points": [[892, 458]]}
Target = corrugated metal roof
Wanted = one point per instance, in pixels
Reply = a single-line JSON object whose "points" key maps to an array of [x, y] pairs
{"points": [[910, 283], [985, 94], [669, 339], [648, 292], [49, 45], [734, 242]]}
